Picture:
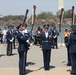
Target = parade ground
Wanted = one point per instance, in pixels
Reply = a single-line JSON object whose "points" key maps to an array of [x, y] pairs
{"points": [[9, 64]]}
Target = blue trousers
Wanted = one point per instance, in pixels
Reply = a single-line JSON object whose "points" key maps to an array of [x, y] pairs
{"points": [[9, 48], [73, 62], [22, 62], [68, 56], [46, 58]]}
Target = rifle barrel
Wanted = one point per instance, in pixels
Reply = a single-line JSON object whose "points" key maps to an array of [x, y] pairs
{"points": [[33, 17], [25, 16], [72, 15]]}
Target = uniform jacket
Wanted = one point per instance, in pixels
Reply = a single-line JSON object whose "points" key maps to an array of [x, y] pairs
{"points": [[13, 33], [55, 33], [22, 41], [46, 42], [9, 35], [72, 43]]}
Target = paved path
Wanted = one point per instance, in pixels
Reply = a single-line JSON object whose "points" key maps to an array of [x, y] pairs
{"points": [[56, 71], [9, 64]]}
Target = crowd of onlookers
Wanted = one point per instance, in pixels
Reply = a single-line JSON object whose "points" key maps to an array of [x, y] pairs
{"points": [[36, 39]]}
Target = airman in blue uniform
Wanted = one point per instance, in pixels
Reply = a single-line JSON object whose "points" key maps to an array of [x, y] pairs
{"points": [[25, 31], [22, 49], [45, 41], [55, 37], [14, 36], [9, 41], [66, 38], [72, 49]]}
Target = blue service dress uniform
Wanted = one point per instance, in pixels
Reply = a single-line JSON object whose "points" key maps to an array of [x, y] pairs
{"points": [[55, 38], [68, 54], [14, 36], [27, 44], [72, 51], [46, 48], [9, 43], [22, 50]]}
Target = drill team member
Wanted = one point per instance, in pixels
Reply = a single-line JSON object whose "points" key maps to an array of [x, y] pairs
{"points": [[72, 49], [25, 31], [9, 41], [46, 43], [22, 49]]}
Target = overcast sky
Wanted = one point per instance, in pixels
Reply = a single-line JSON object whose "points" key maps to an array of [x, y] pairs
{"points": [[18, 7]]}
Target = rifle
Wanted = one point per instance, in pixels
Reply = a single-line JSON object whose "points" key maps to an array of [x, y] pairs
{"points": [[73, 15], [33, 17], [61, 16], [25, 17]]}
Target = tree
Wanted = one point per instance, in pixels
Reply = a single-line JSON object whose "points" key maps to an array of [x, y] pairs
{"points": [[67, 13], [58, 13], [45, 15], [75, 19]]}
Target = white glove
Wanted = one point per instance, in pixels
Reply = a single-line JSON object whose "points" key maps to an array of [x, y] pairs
{"points": [[55, 36], [27, 41], [11, 40], [66, 35]]}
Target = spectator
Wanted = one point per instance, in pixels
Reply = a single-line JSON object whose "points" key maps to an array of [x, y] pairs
{"points": [[1, 36], [66, 34], [37, 36], [4, 35]]}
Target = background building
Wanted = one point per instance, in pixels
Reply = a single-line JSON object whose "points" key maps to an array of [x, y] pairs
{"points": [[60, 4]]}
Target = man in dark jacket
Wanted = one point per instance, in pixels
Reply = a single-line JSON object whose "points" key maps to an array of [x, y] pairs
{"points": [[22, 49], [9, 41], [14, 36], [55, 37], [46, 43], [72, 49]]}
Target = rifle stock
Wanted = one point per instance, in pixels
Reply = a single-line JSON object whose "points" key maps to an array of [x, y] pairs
{"points": [[72, 15], [61, 19], [25, 16]]}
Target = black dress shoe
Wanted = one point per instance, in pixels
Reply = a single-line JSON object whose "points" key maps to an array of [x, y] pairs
{"points": [[68, 64], [72, 73], [47, 69], [57, 48], [25, 72], [21, 74]]}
